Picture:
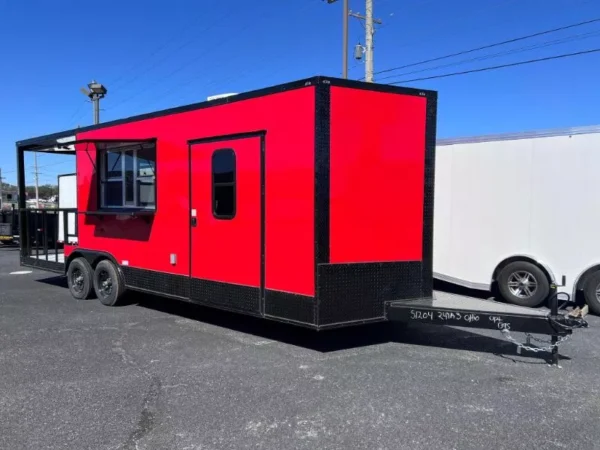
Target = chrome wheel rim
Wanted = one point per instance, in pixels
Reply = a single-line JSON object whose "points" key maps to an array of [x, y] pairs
{"points": [[105, 284], [598, 292], [523, 284]]}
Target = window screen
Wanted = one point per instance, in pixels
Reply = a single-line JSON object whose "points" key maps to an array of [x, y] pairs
{"points": [[224, 187]]}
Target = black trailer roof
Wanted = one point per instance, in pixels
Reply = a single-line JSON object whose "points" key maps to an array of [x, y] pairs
{"points": [[50, 140]]}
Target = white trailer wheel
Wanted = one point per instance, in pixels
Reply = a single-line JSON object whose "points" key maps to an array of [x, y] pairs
{"points": [[592, 292]]}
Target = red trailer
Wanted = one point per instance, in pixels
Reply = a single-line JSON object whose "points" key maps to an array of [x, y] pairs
{"points": [[287, 203], [309, 202]]}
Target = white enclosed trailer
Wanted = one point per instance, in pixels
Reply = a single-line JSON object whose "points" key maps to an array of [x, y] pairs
{"points": [[520, 212], [67, 199]]}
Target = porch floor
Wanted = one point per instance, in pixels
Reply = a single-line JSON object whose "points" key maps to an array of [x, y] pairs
{"points": [[52, 257]]}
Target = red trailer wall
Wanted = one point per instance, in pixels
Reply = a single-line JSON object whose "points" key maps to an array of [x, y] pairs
{"points": [[377, 161], [289, 121]]}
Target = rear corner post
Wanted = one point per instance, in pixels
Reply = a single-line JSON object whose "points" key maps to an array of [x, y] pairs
{"points": [[22, 198]]}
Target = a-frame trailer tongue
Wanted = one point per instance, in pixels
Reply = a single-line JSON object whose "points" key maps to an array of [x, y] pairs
{"points": [[492, 315]]}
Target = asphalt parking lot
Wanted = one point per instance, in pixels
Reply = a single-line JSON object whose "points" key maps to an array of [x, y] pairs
{"points": [[156, 374]]}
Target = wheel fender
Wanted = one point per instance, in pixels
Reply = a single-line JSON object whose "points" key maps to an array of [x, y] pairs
{"points": [[524, 257], [579, 282], [93, 257]]}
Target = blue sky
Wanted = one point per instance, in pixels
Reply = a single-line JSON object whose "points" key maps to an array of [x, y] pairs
{"points": [[157, 54]]}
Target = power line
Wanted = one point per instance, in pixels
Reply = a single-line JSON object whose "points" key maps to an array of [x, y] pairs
{"points": [[165, 45], [159, 62], [509, 41], [181, 67], [502, 53], [484, 69], [178, 86]]}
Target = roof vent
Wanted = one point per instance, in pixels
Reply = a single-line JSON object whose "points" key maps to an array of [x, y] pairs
{"points": [[214, 97]]}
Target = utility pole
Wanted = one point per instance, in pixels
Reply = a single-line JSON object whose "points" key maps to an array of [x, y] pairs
{"points": [[36, 175], [1, 180], [345, 14], [95, 92], [369, 32]]}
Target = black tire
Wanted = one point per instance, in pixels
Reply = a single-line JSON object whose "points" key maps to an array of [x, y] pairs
{"points": [[108, 284], [523, 283], [591, 292], [80, 279]]}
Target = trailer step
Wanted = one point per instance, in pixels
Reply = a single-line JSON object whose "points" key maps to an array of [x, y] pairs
{"points": [[486, 314]]}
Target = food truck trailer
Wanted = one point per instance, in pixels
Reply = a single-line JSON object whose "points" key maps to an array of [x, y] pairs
{"points": [[287, 203]]}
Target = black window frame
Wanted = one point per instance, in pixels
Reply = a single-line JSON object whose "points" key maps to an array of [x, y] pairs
{"points": [[217, 184], [138, 181]]}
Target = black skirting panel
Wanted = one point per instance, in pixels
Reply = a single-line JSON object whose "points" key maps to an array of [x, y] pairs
{"points": [[159, 282], [356, 292], [51, 266], [205, 292], [278, 305], [288, 306], [225, 295]]}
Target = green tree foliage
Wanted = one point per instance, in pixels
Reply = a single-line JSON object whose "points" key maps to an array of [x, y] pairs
{"points": [[45, 190]]}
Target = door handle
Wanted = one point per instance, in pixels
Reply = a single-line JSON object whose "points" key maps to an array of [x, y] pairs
{"points": [[194, 221]]}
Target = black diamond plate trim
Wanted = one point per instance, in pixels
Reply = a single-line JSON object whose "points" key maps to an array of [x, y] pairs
{"points": [[322, 174], [225, 295], [322, 167], [428, 205], [156, 282], [288, 306], [351, 292]]}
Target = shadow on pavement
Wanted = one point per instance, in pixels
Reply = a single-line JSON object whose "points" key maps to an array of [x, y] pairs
{"points": [[330, 340], [444, 286], [9, 248], [58, 280], [344, 338]]}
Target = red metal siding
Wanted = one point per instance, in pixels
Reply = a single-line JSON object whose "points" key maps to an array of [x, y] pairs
{"points": [[377, 176], [287, 117]]}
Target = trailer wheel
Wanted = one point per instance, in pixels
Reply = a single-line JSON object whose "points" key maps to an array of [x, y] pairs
{"points": [[523, 283], [591, 292], [108, 284], [80, 279]]}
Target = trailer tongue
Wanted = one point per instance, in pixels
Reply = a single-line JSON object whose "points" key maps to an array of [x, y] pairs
{"points": [[492, 315]]}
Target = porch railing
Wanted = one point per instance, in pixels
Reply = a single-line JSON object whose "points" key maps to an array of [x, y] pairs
{"points": [[43, 235]]}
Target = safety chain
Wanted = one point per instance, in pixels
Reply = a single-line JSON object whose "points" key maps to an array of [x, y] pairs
{"points": [[520, 346]]}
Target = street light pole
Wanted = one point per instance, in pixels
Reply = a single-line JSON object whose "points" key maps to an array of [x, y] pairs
{"points": [[96, 103], [345, 14], [96, 92]]}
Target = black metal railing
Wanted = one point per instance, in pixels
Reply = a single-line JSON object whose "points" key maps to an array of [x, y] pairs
{"points": [[42, 242]]}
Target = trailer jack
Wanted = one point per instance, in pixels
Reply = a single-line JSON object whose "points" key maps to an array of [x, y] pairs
{"points": [[487, 314]]}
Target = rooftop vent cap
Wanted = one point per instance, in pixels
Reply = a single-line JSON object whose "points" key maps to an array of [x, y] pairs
{"points": [[214, 97]]}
